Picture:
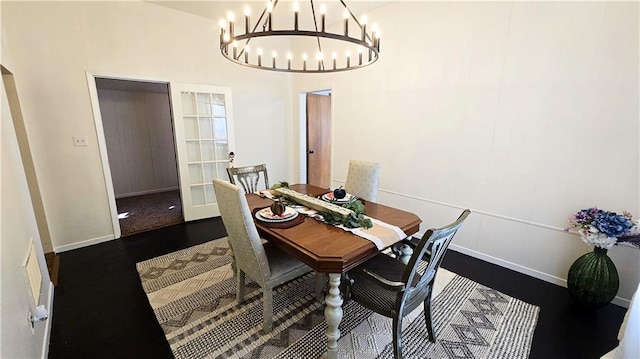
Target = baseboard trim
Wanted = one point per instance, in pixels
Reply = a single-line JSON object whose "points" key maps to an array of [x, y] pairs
{"points": [[47, 331], [526, 270], [133, 194], [88, 242], [510, 265]]}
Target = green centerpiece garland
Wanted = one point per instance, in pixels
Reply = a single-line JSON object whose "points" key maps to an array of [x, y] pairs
{"points": [[349, 214], [355, 219]]}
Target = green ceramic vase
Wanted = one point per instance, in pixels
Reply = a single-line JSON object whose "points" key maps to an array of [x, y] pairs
{"points": [[593, 279]]}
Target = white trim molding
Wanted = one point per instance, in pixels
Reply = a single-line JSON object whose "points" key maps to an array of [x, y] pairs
{"points": [[525, 270], [47, 331], [86, 243]]}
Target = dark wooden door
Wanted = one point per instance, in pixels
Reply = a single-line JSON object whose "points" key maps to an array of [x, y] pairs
{"points": [[319, 140]]}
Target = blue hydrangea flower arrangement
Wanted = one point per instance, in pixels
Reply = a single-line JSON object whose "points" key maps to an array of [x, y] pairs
{"points": [[605, 229]]}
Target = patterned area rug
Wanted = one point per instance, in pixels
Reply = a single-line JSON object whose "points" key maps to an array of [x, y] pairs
{"points": [[192, 293]]}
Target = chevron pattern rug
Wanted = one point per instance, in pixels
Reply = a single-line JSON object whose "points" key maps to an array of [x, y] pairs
{"points": [[192, 293]]}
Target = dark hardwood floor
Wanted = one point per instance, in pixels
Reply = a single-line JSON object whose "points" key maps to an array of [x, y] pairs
{"points": [[101, 311]]}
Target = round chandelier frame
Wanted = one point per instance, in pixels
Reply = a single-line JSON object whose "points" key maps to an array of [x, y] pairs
{"points": [[235, 47]]}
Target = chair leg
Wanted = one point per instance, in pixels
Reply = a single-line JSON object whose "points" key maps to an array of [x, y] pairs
{"points": [[267, 310], [427, 319], [397, 337], [233, 257], [240, 288], [345, 287]]}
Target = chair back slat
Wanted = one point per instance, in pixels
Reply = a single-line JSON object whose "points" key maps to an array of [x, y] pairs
{"points": [[436, 242], [249, 177]]}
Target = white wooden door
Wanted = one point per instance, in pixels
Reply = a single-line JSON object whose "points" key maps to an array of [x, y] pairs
{"points": [[203, 126]]}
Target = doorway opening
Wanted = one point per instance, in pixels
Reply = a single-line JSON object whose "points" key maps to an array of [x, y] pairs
{"points": [[316, 138], [138, 131]]}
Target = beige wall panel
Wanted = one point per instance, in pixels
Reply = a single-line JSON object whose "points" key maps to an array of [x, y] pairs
{"points": [[522, 111], [139, 138]]}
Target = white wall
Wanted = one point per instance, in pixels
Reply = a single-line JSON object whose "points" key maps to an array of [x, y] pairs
{"points": [[17, 229], [524, 112], [139, 137], [52, 45]]}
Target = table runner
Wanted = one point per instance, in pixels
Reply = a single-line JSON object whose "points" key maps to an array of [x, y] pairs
{"points": [[382, 234]]}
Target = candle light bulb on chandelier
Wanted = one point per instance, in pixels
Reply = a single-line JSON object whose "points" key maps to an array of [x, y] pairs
{"points": [[363, 22], [270, 11], [346, 15], [319, 57], [230, 17], [235, 49], [247, 18], [323, 13]]}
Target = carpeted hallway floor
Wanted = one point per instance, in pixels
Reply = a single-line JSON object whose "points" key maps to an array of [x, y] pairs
{"points": [[150, 211]]}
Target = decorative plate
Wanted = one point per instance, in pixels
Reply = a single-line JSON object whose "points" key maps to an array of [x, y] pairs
{"points": [[330, 198], [266, 215]]}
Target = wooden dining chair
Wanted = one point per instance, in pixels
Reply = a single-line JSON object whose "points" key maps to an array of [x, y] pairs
{"points": [[393, 289], [249, 177], [362, 179], [265, 264]]}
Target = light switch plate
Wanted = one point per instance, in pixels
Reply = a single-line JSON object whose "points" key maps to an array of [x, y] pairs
{"points": [[79, 141]]}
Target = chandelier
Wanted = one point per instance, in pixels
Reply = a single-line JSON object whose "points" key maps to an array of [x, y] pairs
{"points": [[354, 47]]}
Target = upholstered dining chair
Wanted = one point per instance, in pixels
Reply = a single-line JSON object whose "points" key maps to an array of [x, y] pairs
{"points": [[249, 177], [265, 264], [362, 179], [393, 289]]}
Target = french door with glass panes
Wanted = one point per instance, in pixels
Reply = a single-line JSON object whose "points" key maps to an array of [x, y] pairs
{"points": [[203, 125]]}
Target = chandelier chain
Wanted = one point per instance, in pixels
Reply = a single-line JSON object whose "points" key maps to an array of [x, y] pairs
{"points": [[315, 24]]}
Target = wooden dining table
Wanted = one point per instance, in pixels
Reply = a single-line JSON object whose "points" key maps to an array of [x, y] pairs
{"points": [[329, 249]]}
